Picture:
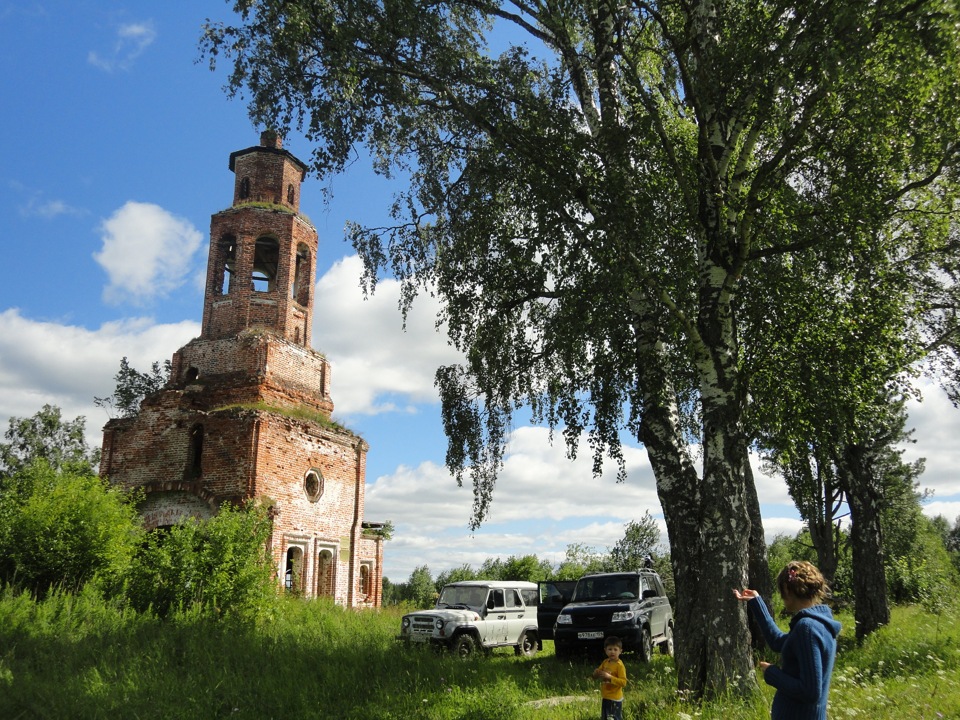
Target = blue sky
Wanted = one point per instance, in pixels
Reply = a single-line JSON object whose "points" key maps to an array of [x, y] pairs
{"points": [[114, 145]]}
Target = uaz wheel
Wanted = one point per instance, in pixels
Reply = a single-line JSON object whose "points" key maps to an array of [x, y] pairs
{"points": [[528, 645], [464, 646]]}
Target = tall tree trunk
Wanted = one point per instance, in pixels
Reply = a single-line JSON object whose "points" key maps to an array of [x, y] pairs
{"points": [[708, 527], [822, 537], [865, 497], [758, 568], [678, 487], [820, 516], [725, 537]]}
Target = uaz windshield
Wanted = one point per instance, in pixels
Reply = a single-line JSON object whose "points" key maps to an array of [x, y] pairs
{"points": [[474, 597]]}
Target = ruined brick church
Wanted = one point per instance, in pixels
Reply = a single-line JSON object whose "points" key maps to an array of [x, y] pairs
{"points": [[246, 412]]}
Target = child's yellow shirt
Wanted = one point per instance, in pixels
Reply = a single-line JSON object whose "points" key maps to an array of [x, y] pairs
{"points": [[612, 689]]}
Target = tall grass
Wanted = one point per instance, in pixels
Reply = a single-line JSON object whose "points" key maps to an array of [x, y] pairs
{"points": [[73, 656]]}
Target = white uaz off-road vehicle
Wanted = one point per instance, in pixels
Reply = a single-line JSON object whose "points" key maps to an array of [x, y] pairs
{"points": [[478, 614]]}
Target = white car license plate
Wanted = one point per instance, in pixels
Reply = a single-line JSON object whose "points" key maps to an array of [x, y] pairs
{"points": [[595, 635]]}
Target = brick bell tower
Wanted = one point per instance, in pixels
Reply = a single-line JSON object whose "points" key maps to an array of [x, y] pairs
{"points": [[246, 413]]}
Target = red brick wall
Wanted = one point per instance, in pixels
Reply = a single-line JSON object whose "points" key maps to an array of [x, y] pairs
{"points": [[270, 174], [287, 450], [254, 349], [252, 454], [254, 367], [226, 314]]}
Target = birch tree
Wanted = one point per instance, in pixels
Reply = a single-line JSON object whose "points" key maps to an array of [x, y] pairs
{"points": [[601, 195]]}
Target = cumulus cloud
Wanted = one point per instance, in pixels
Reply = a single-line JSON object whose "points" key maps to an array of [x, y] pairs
{"points": [[147, 252], [934, 421], [131, 40], [68, 365], [537, 481], [948, 509], [542, 503], [378, 366]]}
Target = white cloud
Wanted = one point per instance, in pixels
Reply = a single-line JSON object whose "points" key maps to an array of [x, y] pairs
{"points": [[377, 365], [35, 204], [543, 502], [147, 252], [773, 526], [131, 41], [935, 423], [771, 489], [537, 481], [67, 366], [948, 509], [48, 209]]}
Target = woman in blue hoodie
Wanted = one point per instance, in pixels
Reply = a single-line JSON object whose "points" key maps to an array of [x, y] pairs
{"points": [[807, 651]]}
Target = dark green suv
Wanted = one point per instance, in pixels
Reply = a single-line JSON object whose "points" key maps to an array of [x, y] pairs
{"points": [[631, 605]]}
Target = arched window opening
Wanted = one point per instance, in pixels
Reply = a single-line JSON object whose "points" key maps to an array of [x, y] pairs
{"points": [[325, 570], [228, 259], [192, 374], [293, 576], [266, 255], [195, 454], [301, 276], [290, 194], [364, 582], [245, 188]]}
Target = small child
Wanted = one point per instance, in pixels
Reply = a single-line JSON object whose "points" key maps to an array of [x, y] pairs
{"points": [[613, 677]]}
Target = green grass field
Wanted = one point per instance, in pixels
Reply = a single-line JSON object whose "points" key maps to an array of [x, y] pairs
{"points": [[74, 657]]}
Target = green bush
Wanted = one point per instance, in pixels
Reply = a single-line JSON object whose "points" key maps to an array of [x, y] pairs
{"points": [[924, 575], [64, 528], [219, 564]]}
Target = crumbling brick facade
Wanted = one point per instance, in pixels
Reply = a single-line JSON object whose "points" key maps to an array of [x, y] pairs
{"points": [[246, 413]]}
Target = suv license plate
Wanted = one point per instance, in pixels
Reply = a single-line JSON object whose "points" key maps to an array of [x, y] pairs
{"points": [[596, 635]]}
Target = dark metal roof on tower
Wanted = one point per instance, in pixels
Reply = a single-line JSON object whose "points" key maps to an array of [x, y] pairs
{"points": [[270, 142]]}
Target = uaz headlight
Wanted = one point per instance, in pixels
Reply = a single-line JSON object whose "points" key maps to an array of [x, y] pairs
{"points": [[623, 616], [564, 619]]}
